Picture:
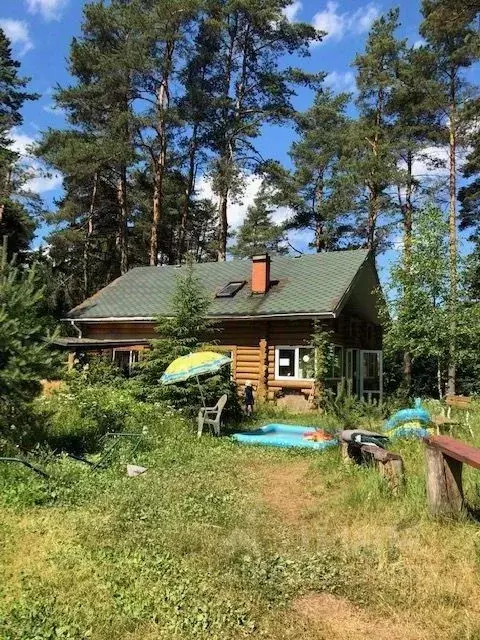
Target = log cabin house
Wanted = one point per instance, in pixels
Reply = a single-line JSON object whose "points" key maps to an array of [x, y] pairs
{"points": [[265, 311]]}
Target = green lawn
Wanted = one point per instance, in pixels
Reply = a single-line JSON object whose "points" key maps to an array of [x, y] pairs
{"points": [[219, 540]]}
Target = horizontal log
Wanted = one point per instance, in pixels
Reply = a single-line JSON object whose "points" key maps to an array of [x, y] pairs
{"points": [[243, 357], [290, 384]]}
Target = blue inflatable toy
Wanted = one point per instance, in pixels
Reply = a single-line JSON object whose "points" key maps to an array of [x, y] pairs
{"points": [[409, 423]]}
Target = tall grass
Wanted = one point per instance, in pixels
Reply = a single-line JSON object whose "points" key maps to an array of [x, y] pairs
{"points": [[197, 547]]}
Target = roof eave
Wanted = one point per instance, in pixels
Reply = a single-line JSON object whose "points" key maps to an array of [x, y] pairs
{"points": [[140, 319]]}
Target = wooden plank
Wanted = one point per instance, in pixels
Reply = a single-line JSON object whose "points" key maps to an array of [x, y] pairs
{"points": [[382, 455], [455, 449]]}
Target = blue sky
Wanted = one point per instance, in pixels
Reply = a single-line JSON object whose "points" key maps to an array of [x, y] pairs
{"points": [[41, 31]]}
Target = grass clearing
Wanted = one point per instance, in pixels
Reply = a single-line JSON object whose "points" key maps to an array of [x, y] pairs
{"points": [[221, 540]]}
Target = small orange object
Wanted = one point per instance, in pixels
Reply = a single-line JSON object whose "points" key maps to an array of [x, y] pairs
{"points": [[318, 436]]}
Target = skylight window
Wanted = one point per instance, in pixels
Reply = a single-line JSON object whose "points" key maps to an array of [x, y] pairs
{"points": [[229, 290]]}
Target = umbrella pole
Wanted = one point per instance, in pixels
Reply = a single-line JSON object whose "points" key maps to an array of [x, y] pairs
{"points": [[201, 392]]}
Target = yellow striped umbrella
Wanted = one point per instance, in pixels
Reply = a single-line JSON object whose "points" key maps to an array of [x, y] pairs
{"points": [[195, 364]]}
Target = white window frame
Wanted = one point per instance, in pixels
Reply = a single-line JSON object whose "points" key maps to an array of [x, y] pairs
{"points": [[296, 348]]}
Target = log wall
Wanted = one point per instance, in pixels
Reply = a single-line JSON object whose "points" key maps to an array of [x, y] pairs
{"points": [[252, 344]]}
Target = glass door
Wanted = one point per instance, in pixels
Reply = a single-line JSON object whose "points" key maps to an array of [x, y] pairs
{"points": [[371, 376]]}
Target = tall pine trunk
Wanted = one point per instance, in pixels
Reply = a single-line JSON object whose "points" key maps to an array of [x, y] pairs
{"points": [[88, 237], [226, 158], [223, 225], [452, 243], [160, 161], [320, 243], [189, 190], [122, 244], [407, 256], [5, 192]]}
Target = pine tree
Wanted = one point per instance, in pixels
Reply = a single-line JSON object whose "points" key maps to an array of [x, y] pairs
{"points": [[453, 41], [318, 190], [98, 147], [258, 234], [373, 149], [16, 222], [251, 89]]}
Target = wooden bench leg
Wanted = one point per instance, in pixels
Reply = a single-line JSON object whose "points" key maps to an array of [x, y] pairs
{"points": [[444, 483], [394, 473]]}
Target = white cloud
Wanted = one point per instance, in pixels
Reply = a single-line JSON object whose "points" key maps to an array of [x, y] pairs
{"points": [[341, 81], [51, 108], [49, 9], [337, 25], [419, 43], [238, 210], [291, 12], [17, 32], [431, 163], [38, 180], [362, 19]]}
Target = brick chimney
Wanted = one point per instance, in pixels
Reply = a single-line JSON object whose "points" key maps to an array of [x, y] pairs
{"points": [[260, 273]]}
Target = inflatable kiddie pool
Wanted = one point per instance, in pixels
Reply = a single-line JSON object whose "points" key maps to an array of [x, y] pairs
{"points": [[285, 435]]}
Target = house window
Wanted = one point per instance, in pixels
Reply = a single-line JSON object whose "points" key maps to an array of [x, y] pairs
{"points": [[295, 363], [125, 359]]}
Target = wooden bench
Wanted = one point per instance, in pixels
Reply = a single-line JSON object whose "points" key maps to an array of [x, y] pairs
{"points": [[461, 403], [388, 464], [444, 459]]}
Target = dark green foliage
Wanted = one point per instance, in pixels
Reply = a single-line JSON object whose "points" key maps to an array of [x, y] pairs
{"points": [[16, 221], [373, 149], [319, 191], [258, 233], [25, 355]]}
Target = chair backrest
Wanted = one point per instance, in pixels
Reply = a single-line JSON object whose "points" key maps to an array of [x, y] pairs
{"points": [[222, 402], [458, 402]]}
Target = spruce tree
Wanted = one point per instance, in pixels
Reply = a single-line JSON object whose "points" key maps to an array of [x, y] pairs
{"points": [[25, 356]]}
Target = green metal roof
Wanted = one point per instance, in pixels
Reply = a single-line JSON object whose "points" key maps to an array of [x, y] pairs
{"points": [[308, 284]]}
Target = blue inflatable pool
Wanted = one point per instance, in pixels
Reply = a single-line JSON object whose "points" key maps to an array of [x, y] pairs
{"points": [[283, 435]]}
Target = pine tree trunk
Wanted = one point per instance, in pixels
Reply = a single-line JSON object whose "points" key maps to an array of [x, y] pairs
{"points": [[227, 150], [5, 192], [407, 256], [223, 226], [123, 219], [160, 162], [372, 220], [189, 189], [452, 232], [88, 238], [154, 229], [320, 243]]}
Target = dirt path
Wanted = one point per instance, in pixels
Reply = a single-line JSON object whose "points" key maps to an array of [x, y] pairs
{"points": [[338, 619], [286, 489]]}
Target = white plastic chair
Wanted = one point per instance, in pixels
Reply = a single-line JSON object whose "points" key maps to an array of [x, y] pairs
{"points": [[211, 416]]}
